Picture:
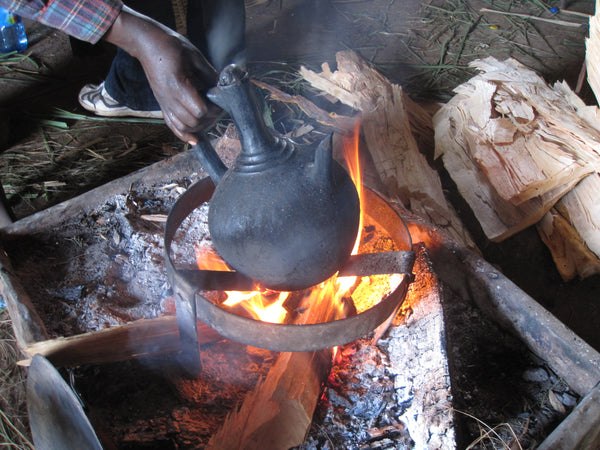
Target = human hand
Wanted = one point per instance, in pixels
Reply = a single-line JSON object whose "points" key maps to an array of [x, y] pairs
{"points": [[178, 73]]}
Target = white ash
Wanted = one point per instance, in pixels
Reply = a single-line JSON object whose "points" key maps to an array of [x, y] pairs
{"points": [[395, 394], [107, 267], [419, 362]]}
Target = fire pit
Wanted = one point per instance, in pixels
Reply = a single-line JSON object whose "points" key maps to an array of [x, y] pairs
{"points": [[49, 245], [282, 337]]}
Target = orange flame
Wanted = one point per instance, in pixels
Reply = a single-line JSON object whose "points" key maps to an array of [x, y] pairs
{"points": [[208, 259], [352, 160], [262, 308]]}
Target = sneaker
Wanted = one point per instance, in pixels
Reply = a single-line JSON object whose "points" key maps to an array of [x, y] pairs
{"points": [[94, 98]]}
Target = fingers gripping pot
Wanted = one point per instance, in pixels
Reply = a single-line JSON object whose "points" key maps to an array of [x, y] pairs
{"points": [[283, 216]]}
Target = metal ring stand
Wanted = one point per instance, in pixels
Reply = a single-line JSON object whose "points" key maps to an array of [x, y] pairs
{"points": [[191, 305]]}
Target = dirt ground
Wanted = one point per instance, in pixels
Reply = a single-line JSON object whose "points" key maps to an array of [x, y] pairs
{"points": [[49, 155]]}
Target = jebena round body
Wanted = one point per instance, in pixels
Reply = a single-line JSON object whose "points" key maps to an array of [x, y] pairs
{"points": [[284, 228]]}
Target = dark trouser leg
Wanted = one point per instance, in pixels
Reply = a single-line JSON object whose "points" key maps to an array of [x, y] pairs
{"points": [[216, 27], [127, 83]]}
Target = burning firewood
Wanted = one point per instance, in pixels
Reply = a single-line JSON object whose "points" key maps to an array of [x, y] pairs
{"points": [[278, 413], [132, 340], [386, 124], [515, 146], [335, 121]]}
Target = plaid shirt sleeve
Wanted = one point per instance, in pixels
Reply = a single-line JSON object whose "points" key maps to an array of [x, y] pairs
{"points": [[87, 20]]}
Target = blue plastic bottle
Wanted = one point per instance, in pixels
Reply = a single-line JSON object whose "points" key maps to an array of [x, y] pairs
{"points": [[12, 32]]}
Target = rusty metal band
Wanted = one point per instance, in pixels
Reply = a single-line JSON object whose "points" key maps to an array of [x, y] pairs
{"points": [[278, 337]]}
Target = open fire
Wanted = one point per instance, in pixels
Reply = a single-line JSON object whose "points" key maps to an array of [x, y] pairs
{"points": [[342, 293], [374, 394], [309, 323], [352, 306]]}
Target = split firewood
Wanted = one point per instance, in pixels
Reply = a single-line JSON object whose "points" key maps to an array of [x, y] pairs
{"points": [[386, 118], [570, 254], [158, 218], [498, 217], [522, 152], [582, 207], [132, 340], [514, 145], [278, 413], [571, 230], [418, 348]]}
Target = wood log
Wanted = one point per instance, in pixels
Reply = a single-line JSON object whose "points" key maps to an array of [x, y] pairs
{"points": [[26, 322], [278, 413], [472, 277], [417, 345], [582, 208], [570, 357], [386, 125], [580, 428], [132, 340], [570, 254], [518, 150], [515, 145], [180, 165]]}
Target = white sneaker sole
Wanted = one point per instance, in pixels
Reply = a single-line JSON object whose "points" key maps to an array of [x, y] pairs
{"points": [[95, 99]]}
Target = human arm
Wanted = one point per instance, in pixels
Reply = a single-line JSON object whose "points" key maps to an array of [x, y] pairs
{"points": [[178, 73]]}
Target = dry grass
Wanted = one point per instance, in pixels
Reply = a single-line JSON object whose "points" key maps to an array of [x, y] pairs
{"points": [[65, 157], [501, 436], [14, 428]]}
